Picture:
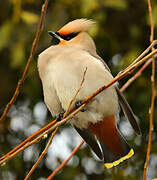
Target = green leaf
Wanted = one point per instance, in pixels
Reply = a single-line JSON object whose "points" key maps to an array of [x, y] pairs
{"points": [[88, 6], [116, 4], [130, 56], [28, 17], [17, 55], [154, 14], [5, 33]]}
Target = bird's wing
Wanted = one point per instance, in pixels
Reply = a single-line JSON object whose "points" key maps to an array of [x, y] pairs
{"points": [[99, 58], [52, 101], [90, 140], [124, 104], [128, 112]]}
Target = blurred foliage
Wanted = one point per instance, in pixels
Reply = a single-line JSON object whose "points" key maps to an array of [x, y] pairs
{"points": [[121, 33]]}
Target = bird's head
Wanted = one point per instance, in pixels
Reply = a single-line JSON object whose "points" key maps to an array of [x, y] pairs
{"points": [[74, 34]]}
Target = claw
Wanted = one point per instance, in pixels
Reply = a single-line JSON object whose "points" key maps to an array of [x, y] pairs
{"points": [[78, 104], [60, 116]]}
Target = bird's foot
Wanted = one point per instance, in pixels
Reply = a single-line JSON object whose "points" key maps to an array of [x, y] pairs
{"points": [[78, 104], [59, 117]]}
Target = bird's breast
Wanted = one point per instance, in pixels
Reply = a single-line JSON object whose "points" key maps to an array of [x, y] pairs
{"points": [[65, 75]]}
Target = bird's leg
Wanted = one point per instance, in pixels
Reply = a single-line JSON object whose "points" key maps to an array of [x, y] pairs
{"points": [[78, 104], [60, 116]]}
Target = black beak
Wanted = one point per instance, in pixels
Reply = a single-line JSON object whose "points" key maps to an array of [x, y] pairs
{"points": [[51, 33], [54, 35], [55, 38]]}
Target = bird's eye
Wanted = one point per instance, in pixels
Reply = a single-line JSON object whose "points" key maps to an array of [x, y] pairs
{"points": [[70, 36]]}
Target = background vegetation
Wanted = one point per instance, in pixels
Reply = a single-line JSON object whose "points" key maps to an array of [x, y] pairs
{"points": [[121, 33]]}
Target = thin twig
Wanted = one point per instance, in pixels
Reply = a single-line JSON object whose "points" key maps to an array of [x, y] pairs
{"points": [[66, 161], [42, 154], [81, 84], [133, 78], [23, 77], [51, 126], [151, 110], [141, 55]]}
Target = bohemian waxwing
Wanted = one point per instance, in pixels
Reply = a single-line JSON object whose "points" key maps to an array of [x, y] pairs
{"points": [[61, 68]]}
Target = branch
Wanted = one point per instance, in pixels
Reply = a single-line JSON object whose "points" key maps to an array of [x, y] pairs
{"points": [[151, 110], [133, 78], [153, 43], [42, 154], [23, 77], [65, 162], [77, 92], [51, 126]]}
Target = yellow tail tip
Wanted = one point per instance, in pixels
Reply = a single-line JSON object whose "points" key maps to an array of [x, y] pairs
{"points": [[115, 163]]}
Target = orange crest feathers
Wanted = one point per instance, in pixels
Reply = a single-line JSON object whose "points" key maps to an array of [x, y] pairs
{"points": [[77, 25]]}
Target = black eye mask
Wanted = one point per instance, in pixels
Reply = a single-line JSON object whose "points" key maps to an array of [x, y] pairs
{"points": [[68, 37]]}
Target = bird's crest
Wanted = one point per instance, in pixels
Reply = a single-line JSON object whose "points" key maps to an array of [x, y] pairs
{"points": [[77, 25]]}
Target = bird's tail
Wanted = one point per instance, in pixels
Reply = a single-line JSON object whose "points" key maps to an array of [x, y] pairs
{"points": [[114, 147]]}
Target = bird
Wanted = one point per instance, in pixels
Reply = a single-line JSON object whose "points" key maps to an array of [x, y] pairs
{"points": [[61, 67]]}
